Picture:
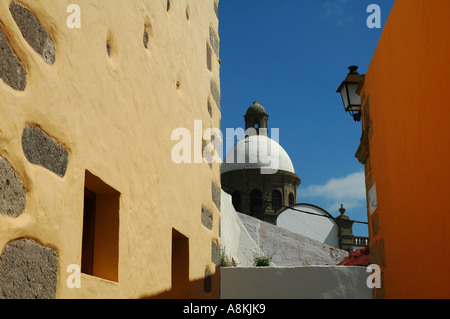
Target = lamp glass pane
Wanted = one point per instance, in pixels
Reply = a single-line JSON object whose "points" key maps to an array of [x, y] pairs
{"points": [[344, 95], [355, 99]]}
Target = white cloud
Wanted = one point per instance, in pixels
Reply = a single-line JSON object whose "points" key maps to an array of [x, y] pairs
{"points": [[334, 10], [348, 190]]}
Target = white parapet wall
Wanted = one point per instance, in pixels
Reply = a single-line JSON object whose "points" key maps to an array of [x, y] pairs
{"points": [[311, 282]]}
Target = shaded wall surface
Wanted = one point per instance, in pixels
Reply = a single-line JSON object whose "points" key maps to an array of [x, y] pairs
{"points": [[315, 282], [95, 107], [405, 119]]}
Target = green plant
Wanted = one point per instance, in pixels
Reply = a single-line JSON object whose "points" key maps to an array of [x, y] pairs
{"points": [[225, 260], [261, 260]]}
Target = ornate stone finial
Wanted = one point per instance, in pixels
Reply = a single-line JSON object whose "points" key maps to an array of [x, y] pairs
{"points": [[342, 209]]}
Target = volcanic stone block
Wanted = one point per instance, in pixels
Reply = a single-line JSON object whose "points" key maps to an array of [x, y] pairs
{"points": [[208, 57], [214, 41], [382, 254], [28, 271], [215, 253], [207, 218], [215, 93], [216, 194], [374, 256], [33, 32], [12, 71], [375, 224], [12, 192], [42, 150]]}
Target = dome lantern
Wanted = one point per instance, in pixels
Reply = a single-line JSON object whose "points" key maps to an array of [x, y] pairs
{"points": [[256, 120]]}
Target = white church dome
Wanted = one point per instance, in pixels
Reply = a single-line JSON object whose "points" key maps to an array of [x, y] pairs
{"points": [[257, 152]]}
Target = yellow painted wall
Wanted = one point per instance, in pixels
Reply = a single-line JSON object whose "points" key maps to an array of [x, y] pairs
{"points": [[115, 116]]}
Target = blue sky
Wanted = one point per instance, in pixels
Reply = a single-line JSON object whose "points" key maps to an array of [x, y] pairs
{"points": [[291, 56]]}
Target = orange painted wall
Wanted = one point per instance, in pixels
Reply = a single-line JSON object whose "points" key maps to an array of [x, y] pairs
{"points": [[408, 86]]}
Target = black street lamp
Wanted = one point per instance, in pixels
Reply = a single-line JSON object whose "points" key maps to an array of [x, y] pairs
{"points": [[347, 89]]}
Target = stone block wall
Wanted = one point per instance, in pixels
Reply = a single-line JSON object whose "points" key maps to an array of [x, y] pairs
{"points": [[103, 98]]}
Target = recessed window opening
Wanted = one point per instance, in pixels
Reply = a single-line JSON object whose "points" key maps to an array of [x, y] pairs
{"points": [[180, 265], [100, 240], [291, 199]]}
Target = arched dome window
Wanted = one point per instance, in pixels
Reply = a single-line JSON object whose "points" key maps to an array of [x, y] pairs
{"points": [[291, 199]]}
